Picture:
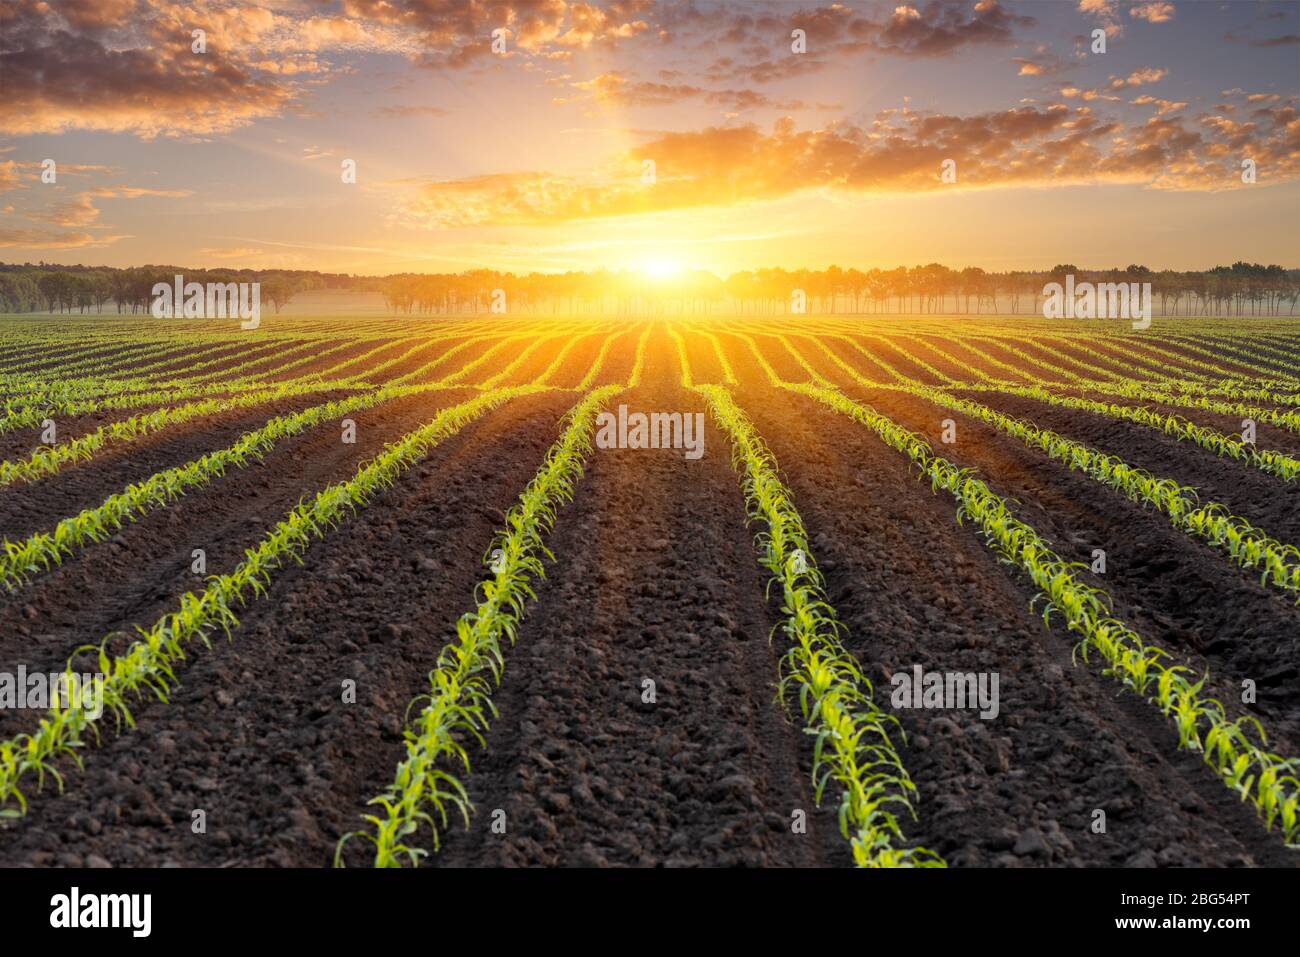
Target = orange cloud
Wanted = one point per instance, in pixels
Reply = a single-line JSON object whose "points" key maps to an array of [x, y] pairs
{"points": [[1105, 12], [1138, 78], [130, 66], [902, 151], [454, 33], [10, 178], [1153, 12], [615, 89], [1162, 106], [45, 239], [57, 80], [135, 192], [1076, 93], [79, 211]]}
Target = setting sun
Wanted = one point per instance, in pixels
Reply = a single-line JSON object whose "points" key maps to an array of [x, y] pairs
{"points": [[662, 268]]}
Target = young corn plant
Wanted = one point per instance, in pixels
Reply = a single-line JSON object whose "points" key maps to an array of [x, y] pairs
{"points": [[456, 710], [1279, 464], [27, 416], [638, 363], [147, 666], [683, 360], [728, 373], [599, 362], [1247, 545], [1289, 420], [48, 460], [41, 551], [1242, 761], [852, 747]]}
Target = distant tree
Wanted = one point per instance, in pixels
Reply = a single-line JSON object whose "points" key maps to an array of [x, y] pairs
{"points": [[278, 291]]}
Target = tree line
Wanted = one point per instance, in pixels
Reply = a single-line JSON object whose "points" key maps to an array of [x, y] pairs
{"points": [[1237, 290], [82, 290]]}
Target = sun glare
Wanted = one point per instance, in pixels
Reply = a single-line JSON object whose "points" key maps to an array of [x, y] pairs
{"points": [[662, 268]]}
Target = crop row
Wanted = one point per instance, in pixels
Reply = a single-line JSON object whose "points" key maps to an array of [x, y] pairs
{"points": [[1274, 462], [49, 459], [43, 550], [852, 747], [1239, 757], [1210, 522], [26, 415], [147, 665], [457, 708], [1145, 393]]}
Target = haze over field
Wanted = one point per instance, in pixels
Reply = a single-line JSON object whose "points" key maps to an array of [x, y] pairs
{"points": [[535, 157]]}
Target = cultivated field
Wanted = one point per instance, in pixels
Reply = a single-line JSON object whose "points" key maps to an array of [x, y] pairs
{"points": [[374, 577]]}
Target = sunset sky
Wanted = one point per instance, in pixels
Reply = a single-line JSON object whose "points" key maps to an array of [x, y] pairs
{"points": [[533, 159]]}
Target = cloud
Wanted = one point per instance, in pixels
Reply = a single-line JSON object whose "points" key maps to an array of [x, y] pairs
{"points": [[128, 65], [81, 211], [616, 89], [1290, 39], [78, 211], [46, 239], [1138, 78], [1105, 12], [10, 178], [1042, 63], [1153, 12], [1078, 93], [1030, 67], [899, 152], [407, 111], [455, 33], [762, 70], [135, 192], [759, 42], [95, 14], [942, 28], [1239, 93], [1162, 106], [231, 252], [58, 78]]}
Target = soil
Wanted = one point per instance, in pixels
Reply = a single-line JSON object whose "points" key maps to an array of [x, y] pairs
{"points": [[638, 723]]}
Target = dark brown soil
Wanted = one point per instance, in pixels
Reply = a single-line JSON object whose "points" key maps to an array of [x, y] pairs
{"points": [[257, 735], [914, 588], [655, 580], [1262, 499], [26, 507], [1177, 593], [130, 580], [658, 582]]}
